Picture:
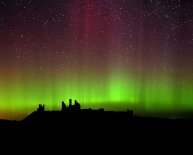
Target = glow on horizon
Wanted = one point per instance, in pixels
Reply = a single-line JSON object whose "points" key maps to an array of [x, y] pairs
{"points": [[116, 92]]}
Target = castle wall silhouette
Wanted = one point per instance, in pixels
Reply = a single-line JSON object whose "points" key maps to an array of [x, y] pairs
{"points": [[71, 107]]}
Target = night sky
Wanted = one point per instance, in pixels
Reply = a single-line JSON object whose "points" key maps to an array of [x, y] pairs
{"points": [[112, 54]]}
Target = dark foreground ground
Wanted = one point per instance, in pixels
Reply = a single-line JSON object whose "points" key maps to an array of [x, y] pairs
{"points": [[93, 129], [94, 122]]}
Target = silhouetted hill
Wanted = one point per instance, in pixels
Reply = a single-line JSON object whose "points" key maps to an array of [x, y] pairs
{"points": [[93, 127], [96, 120], [72, 117], [7, 123], [72, 122]]}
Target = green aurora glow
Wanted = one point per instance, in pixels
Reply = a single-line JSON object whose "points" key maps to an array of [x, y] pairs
{"points": [[115, 92], [115, 54]]}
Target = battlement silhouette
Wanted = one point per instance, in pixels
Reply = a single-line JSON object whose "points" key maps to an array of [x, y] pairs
{"points": [[71, 107], [76, 107], [73, 119], [73, 116], [41, 108]]}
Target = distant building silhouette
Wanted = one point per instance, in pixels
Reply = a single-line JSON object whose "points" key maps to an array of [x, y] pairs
{"points": [[130, 112], [63, 106], [41, 108], [70, 103], [101, 110], [76, 105]]}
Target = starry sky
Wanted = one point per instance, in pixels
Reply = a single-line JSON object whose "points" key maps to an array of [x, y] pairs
{"points": [[112, 54]]}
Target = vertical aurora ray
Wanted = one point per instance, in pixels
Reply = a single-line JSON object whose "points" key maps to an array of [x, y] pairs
{"points": [[118, 91], [106, 54]]}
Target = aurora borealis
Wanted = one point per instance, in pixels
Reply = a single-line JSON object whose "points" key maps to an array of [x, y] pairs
{"points": [[112, 54]]}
